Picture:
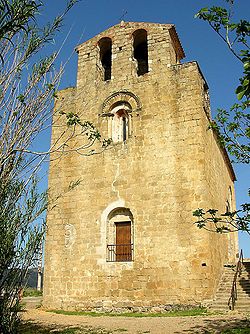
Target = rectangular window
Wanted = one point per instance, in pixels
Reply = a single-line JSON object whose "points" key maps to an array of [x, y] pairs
{"points": [[122, 250], [123, 241]]}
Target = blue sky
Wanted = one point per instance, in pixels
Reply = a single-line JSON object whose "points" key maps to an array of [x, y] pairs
{"points": [[219, 66]]}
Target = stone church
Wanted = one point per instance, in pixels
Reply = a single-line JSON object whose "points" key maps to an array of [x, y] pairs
{"points": [[125, 236]]}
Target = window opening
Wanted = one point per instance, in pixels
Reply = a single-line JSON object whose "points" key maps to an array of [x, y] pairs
{"points": [[105, 45], [123, 241], [229, 201], [141, 51], [120, 126], [120, 122], [120, 238], [124, 128]]}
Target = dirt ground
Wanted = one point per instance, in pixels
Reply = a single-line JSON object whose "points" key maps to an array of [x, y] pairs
{"points": [[154, 325]]}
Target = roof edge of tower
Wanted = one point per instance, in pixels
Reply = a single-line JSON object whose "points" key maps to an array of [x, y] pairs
{"points": [[176, 42], [141, 25]]}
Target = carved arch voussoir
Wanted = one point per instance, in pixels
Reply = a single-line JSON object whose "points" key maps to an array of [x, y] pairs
{"points": [[120, 96]]}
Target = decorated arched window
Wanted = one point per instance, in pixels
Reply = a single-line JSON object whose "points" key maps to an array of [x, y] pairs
{"points": [[119, 110], [120, 127]]}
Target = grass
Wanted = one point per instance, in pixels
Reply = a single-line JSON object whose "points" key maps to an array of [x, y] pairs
{"points": [[236, 331], [184, 313], [30, 292]]}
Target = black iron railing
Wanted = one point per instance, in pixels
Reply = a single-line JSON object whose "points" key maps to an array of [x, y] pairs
{"points": [[120, 252], [233, 297]]}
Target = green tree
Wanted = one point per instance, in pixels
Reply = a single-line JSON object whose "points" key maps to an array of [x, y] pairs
{"points": [[21, 234], [28, 85], [232, 126]]}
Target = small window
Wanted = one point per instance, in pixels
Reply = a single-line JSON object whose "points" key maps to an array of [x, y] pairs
{"points": [[229, 200], [123, 241], [120, 127], [105, 45], [140, 46]]}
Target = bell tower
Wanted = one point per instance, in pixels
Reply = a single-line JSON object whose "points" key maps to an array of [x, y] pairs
{"points": [[124, 238]]}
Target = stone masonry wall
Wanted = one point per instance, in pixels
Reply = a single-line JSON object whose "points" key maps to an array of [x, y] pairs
{"points": [[170, 165]]}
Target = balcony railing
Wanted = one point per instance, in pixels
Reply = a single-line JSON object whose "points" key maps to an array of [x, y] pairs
{"points": [[120, 253]]}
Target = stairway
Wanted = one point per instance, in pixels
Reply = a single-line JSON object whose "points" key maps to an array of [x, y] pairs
{"points": [[243, 289]]}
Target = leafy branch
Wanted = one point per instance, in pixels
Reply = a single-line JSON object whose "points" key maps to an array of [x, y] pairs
{"points": [[211, 220], [233, 125]]}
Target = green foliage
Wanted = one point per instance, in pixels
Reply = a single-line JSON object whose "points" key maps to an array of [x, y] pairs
{"points": [[86, 128], [31, 292], [236, 331], [15, 15], [25, 99], [28, 86], [20, 238], [232, 126], [212, 220], [177, 313]]}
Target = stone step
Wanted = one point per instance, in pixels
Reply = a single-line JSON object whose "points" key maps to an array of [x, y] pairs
{"points": [[225, 286], [239, 288], [243, 288], [238, 284], [232, 273], [225, 309], [226, 298], [238, 304], [239, 292], [219, 308], [225, 301], [229, 284]]}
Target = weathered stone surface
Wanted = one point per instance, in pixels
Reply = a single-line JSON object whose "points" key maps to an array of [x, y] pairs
{"points": [[169, 165]]}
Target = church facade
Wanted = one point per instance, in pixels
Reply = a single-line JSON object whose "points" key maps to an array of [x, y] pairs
{"points": [[125, 236]]}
